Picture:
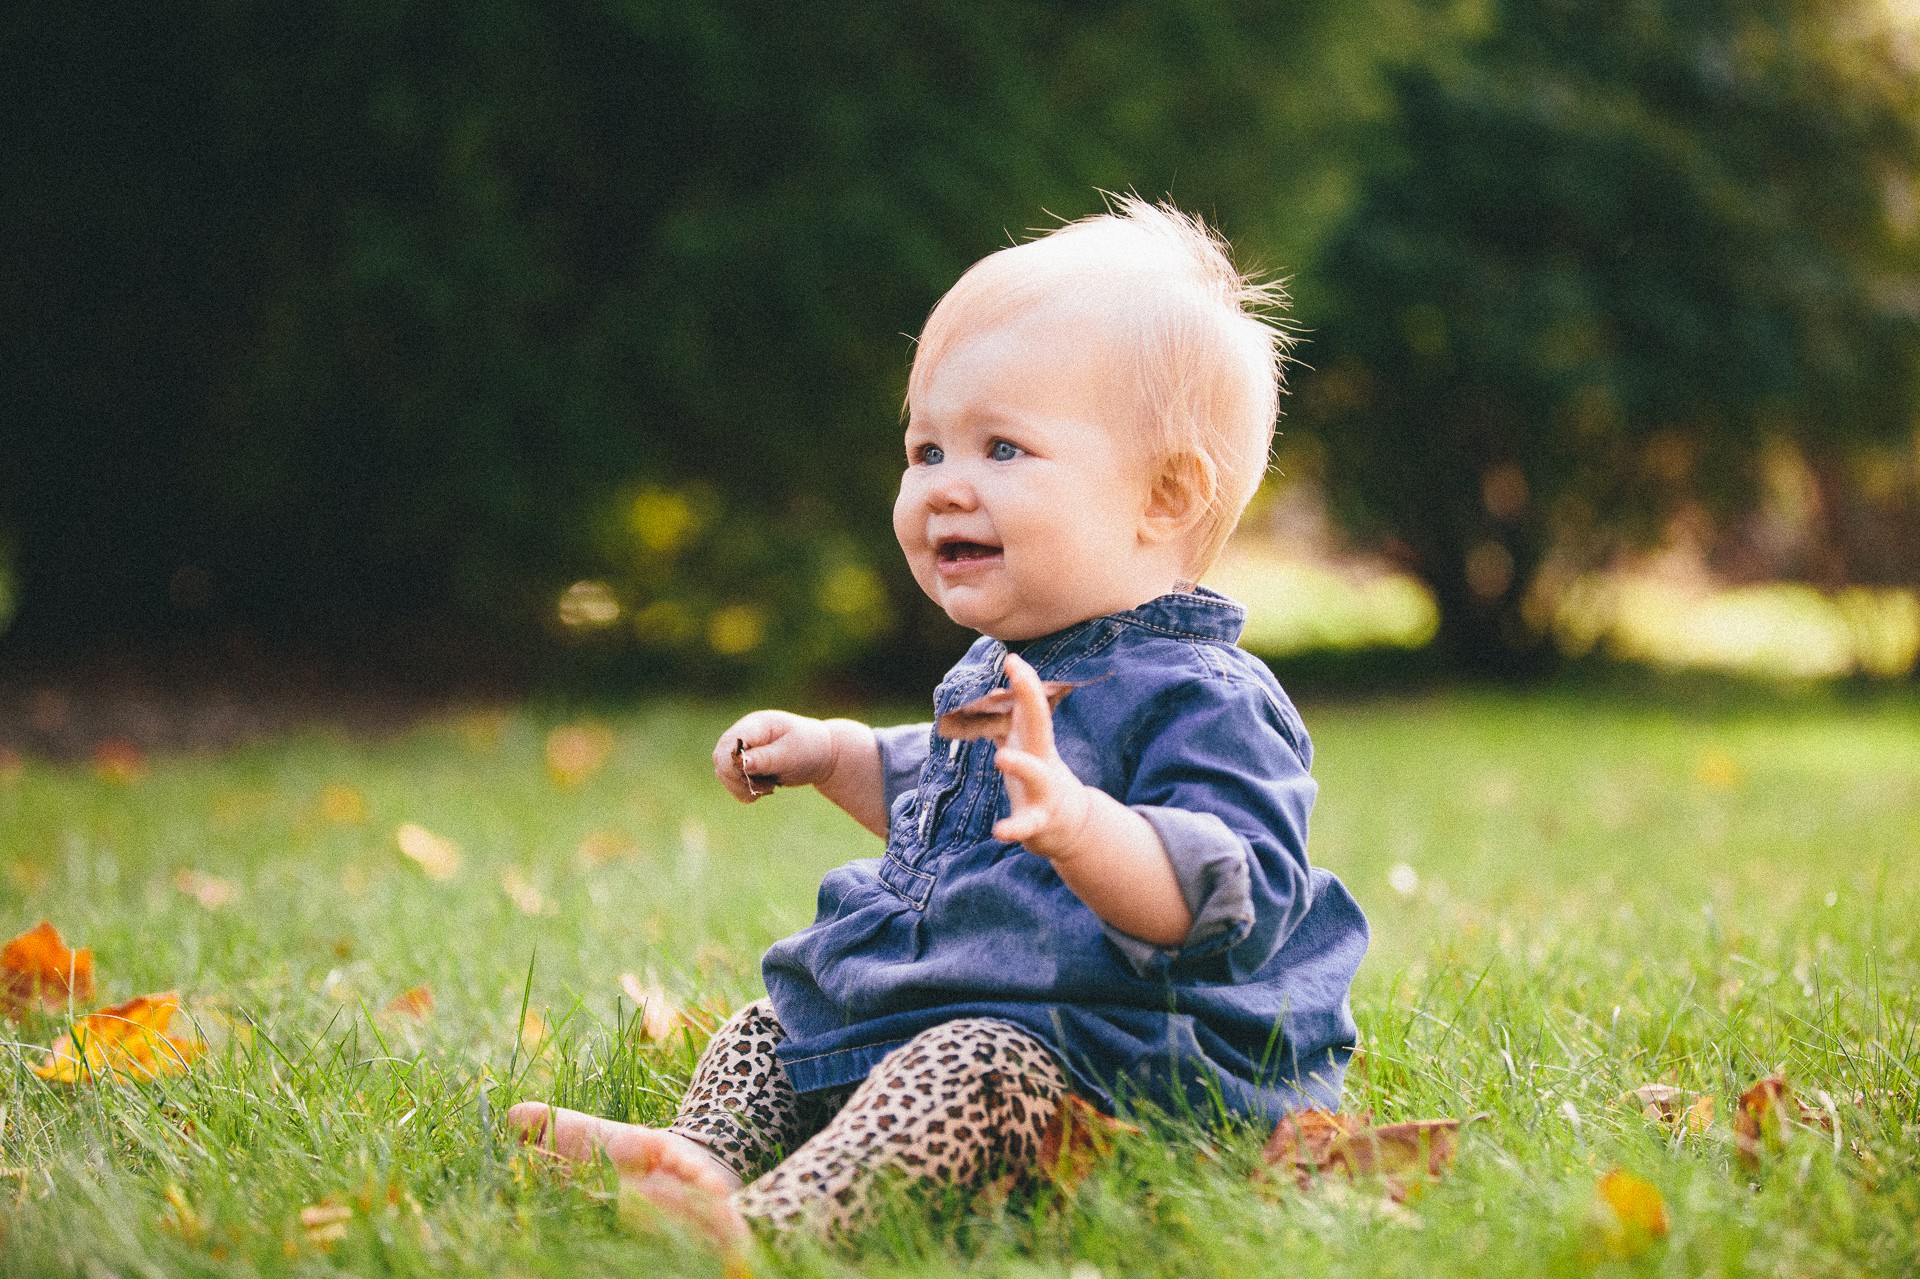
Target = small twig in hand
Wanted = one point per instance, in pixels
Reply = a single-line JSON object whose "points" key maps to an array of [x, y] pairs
{"points": [[755, 781]]}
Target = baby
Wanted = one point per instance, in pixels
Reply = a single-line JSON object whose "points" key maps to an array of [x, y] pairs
{"points": [[1115, 900]]}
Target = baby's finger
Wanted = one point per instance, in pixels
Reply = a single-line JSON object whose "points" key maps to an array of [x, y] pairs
{"points": [[1019, 828], [1032, 726]]}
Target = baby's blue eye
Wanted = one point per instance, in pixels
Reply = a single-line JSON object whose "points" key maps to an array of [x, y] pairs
{"points": [[1003, 451], [931, 455]]}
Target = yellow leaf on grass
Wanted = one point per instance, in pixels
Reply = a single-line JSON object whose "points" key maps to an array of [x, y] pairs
{"points": [[325, 1224], [660, 1015], [524, 893], [1716, 770], [603, 846], [415, 1002], [128, 1041], [436, 855], [1631, 1213], [1671, 1105], [1077, 1137], [576, 752], [37, 970], [533, 1030]]}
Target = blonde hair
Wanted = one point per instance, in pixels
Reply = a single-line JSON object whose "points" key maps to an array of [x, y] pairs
{"points": [[1205, 339]]}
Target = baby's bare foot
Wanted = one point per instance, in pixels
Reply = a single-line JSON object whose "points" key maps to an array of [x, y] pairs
{"points": [[636, 1151], [712, 1214]]}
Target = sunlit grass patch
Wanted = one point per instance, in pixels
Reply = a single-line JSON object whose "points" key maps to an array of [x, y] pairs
{"points": [[1572, 897]]}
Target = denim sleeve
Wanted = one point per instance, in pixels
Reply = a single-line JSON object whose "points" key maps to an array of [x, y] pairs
{"points": [[1222, 785], [903, 752]]}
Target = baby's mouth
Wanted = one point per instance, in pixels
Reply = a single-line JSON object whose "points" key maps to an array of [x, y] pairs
{"points": [[956, 552]]}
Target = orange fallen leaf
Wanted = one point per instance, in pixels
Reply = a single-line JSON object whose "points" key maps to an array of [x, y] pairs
{"points": [[660, 1016], [436, 855], [1312, 1143], [1631, 1213], [1760, 1119], [120, 761], [211, 891], [1672, 1105], [990, 716], [343, 805], [325, 1224], [1077, 1137], [576, 752], [533, 1030], [128, 1041], [37, 970], [415, 1002]]}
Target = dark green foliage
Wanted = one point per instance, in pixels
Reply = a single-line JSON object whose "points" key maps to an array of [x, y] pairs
{"points": [[388, 312], [1607, 252]]}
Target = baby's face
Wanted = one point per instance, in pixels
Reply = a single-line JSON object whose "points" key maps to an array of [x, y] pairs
{"points": [[1021, 510]]}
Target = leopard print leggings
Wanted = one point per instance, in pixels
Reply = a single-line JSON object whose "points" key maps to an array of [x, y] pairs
{"points": [[957, 1105]]}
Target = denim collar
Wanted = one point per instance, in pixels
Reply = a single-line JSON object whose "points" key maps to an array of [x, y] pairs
{"points": [[1197, 614]]}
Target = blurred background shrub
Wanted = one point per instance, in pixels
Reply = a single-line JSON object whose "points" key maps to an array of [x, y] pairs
{"points": [[580, 329]]}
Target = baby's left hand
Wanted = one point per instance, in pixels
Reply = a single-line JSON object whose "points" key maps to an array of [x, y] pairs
{"points": [[1049, 804]]}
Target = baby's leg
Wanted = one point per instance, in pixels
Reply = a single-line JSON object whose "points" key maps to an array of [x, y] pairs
{"points": [[959, 1104], [738, 1110]]}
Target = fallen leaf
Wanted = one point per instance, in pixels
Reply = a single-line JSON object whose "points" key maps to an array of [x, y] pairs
{"points": [[1760, 1120], [325, 1224], [211, 891], [1671, 1105], [533, 1030], [37, 970], [343, 805], [1630, 1212], [180, 1217], [415, 1002], [1077, 1137], [1312, 1143], [127, 1041], [991, 716], [660, 1016], [604, 846], [436, 855], [576, 752], [119, 761], [12, 764], [523, 892]]}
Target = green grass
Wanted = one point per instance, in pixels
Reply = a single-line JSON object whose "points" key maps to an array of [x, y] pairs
{"points": [[1610, 891]]}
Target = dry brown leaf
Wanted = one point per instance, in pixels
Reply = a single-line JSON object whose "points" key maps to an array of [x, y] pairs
{"points": [[436, 855], [415, 1002], [1671, 1105], [1760, 1119], [660, 1017], [991, 716], [758, 784], [1312, 1143], [325, 1224], [1631, 1213], [576, 752], [1077, 1137], [128, 1041], [211, 891], [37, 970]]}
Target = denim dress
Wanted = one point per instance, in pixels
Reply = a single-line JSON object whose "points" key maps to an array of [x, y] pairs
{"points": [[1248, 1016]]}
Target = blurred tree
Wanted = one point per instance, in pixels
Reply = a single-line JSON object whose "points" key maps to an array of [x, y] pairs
{"points": [[413, 310], [1607, 251]]}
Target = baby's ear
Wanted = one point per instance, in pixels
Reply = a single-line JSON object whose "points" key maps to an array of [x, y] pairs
{"points": [[1181, 496]]}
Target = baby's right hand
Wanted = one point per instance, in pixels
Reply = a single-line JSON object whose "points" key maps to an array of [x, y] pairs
{"points": [[791, 749]]}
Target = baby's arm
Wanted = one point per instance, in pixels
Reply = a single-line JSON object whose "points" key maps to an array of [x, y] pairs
{"points": [[1104, 851], [840, 758]]}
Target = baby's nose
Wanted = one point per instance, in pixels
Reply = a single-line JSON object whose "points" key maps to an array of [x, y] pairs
{"points": [[952, 492]]}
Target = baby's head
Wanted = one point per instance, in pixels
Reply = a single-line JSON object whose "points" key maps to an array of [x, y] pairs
{"points": [[1088, 415]]}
